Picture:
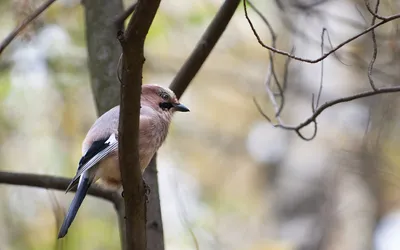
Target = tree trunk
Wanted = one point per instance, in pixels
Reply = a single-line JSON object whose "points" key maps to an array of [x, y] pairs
{"points": [[104, 51]]}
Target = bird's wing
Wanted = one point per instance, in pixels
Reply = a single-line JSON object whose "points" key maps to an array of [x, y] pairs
{"points": [[98, 151]]}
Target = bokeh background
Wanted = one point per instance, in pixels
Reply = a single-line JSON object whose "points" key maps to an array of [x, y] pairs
{"points": [[228, 179]]}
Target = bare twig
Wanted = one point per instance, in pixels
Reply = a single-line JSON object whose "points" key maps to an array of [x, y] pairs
{"points": [[286, 70], [204, 47], [271, 68], [322, 108], [24, 23], [119, 21], [374, 13], [347, 41], [375, 53], [132, 43], [322, 71], [265, 20], [316, 109]]}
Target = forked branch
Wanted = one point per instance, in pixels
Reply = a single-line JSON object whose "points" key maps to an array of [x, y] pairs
{"points": [[316, 109], [325, 55]]}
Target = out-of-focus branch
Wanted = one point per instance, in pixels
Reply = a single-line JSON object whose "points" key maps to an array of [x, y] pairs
{"points": [[204, 47], [25, 23], [119, 21], [154, 225], [61, 183], [103, 56], [53, 182], [103, 51], [321, 81], [132, 43], [375, 45], [322, 108], [271, 72], [307, 60], [316, 109]]}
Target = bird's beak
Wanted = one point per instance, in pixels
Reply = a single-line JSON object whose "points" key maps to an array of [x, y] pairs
{"points": [[180, 107]]}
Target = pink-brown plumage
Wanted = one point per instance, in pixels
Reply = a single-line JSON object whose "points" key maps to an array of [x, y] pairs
{"points": [[100, 151], [153, 129]]}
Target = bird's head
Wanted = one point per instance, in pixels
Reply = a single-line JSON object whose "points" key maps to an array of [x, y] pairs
{"points": [[162, 99]]}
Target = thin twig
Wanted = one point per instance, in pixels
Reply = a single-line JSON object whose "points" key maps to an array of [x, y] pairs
{"points": [[347, 41], [322, 108], [204, 47], [374, 13], [24, 23], [265, 20], [322, 70], [273, 101], [280, 89], [286, 71], [375, 45], [282, 125], [271, 68]]}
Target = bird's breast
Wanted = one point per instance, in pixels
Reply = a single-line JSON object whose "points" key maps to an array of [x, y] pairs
{"points": [[151, 138]]}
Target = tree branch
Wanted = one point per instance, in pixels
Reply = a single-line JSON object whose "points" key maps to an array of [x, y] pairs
{"points": [[204, 47], [132, 43], [155, 234], [53, 182], [119, 21], [317, 112], [25, 23], [307, 60], [61, 183]]}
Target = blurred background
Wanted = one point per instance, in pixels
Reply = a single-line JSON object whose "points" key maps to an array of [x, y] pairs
{"points": [[228, 179]]}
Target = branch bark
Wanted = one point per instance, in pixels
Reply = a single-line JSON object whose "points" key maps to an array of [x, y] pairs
{"points": [[119, 21], [103, 56], [132, 43], [204, 47], [53, 182], [103, 51], [155, 233]]}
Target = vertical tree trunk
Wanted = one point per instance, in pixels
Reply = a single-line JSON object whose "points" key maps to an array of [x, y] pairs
{"points": [[103, 56], [154, 227], [103, 50]]}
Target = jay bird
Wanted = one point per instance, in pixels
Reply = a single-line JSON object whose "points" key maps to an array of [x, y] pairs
{"points": [[100, 146]]}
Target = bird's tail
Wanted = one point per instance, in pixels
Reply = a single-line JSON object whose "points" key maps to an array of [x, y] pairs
{"points": [[80, 194]]}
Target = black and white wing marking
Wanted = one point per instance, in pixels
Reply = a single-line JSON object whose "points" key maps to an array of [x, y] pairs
{"points": [[97, 151]]}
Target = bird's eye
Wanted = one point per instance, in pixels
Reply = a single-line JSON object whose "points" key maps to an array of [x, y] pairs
{"points": [[166, 105], [164, 96]]}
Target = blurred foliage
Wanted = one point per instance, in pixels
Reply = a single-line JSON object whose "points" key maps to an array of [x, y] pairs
{"points": [[214, 191]]}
